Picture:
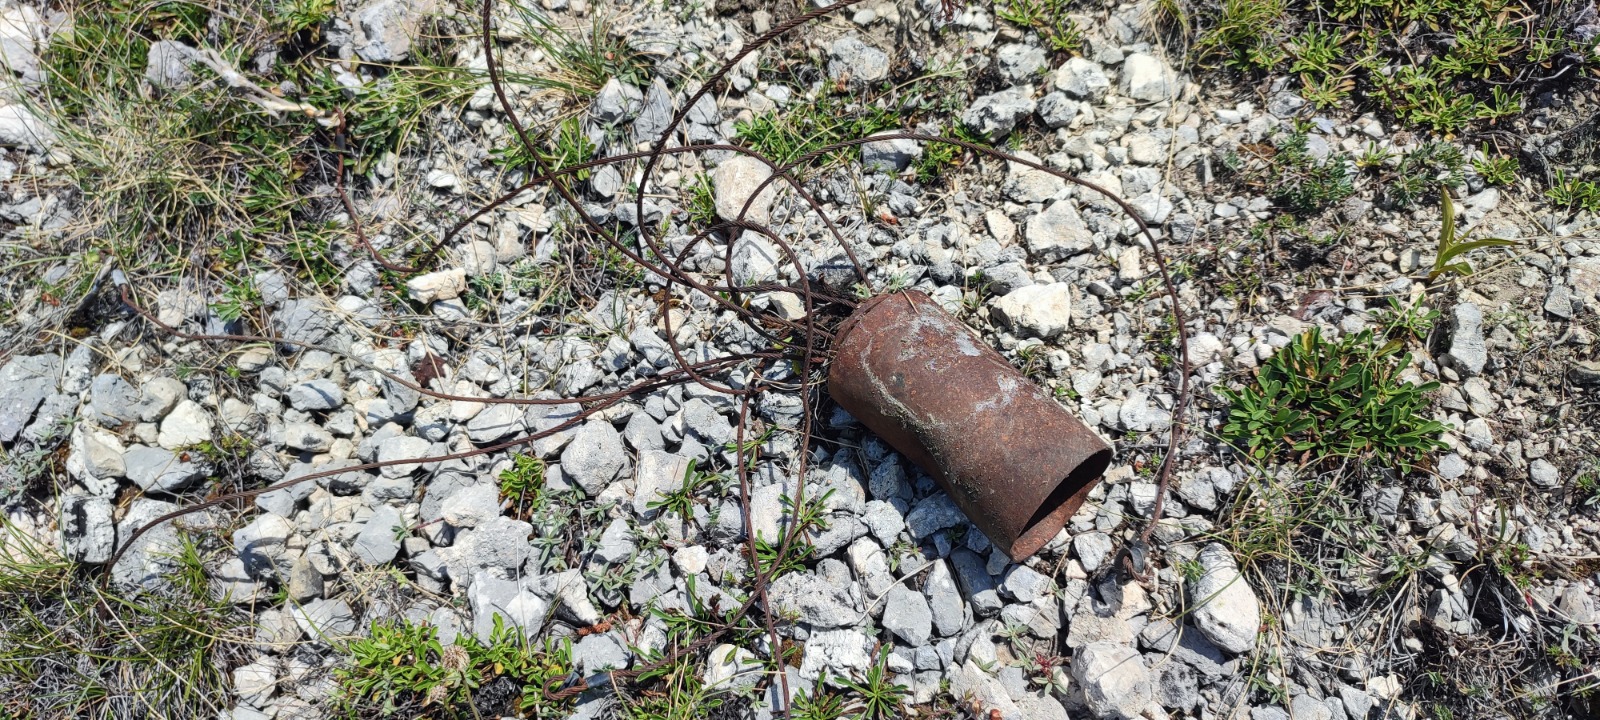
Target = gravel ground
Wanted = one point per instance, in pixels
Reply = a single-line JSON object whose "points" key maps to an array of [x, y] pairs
{"points": [[1276, 588]]}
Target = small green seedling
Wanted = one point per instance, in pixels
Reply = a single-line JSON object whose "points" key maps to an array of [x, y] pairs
{"points": [[1451, 247]]}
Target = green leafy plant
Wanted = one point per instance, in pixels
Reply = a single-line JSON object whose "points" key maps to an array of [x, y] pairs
{"points": [[1452, 247], [1496, 170], [818, 704], [1574, 194], [523, 483], [682, 500], [877, 698], [402, 667], [1316, 399]]}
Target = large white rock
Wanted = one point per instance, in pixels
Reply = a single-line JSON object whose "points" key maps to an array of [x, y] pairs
{"points": [[441, 285], [1042, 311], [1146, 77], [1057, 233], [1114, 679], [734, 181], [187, 424], [1225, 608]]}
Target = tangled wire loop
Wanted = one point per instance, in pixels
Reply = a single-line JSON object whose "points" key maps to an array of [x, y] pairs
{"points": [[801, 342]]}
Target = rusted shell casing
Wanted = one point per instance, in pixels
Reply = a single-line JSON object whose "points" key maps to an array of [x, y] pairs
{"points": [[1017, 463]]}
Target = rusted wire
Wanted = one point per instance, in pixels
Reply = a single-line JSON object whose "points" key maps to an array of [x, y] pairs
{"points": [[808, 349]]}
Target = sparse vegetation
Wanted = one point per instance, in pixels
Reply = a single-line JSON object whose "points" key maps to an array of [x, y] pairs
{"points": [[1445, 65], [1049, 18], [1302, 183], [69, 650]]}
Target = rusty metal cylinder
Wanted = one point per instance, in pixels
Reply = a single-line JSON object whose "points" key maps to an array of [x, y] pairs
{"points": [[1016, 462]]}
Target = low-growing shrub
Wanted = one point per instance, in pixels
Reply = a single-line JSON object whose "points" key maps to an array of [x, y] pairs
{"points": [[1318, 399]]}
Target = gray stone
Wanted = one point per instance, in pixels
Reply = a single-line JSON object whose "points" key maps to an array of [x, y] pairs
{"points": [[305, 581], [301, 321], [438, 285], [617, 543], [316, 395], [1056, 110], [934, 513], [984, 690], [891, 156], [884, 520], [495, 422], [1357, 704], [501, 545], [1041, 311], [379, 539], [1466, 353], [571, 595], [517, 608], [729, 667], [1176, 687], [594, 457], [1225, 607], [187, 425], [836, 653], [1017, 61], [944, 601], [146, 562], [734, 181], [976, 582], [1544, 474], [471, 506], [1147, 78], [906, 614], [1093, 550], [1559, 303], [307, 437], [1114, 680], [255, 683], [600, 652], [170, 64], [261, 543], [112, 401], [160, 470], [326, 620], [826, 597], [851, 59], [996, 115], [1057, 233], [386, 28], [656, 473], [24, 383], [401, 451], [1082, 79], [691, 560], [87, 531], [1026, 584], [706, 424], [616, 102], [655, 114]]}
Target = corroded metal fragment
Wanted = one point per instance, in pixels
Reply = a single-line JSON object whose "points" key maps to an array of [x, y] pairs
{"points": [[1016, 462]]}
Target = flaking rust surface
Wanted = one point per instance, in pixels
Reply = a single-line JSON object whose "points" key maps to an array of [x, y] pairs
{"points": [[994, 440]]}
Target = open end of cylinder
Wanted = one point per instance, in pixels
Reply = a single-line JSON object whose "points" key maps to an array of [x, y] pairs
{"points": [[1061, 504]]}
